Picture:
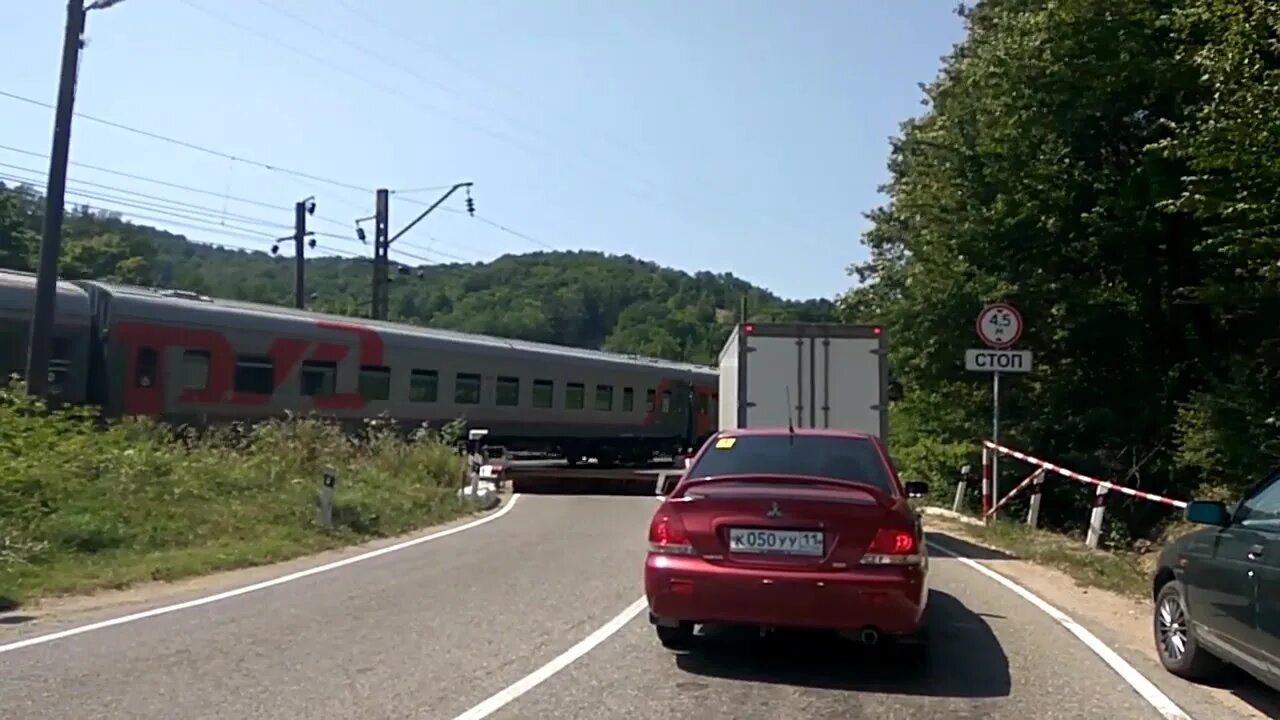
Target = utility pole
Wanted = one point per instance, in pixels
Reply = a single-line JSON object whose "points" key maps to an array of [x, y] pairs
{"points": [[381, 254], [301, 210], [299, 255], [40, 341], [381, 300]]}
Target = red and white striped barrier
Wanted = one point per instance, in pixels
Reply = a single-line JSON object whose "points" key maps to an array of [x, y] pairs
{"points": [[1082, 478], [1036, 478]]}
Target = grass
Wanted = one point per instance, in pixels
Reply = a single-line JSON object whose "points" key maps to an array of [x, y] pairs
{"points": [[1123, 572], [85, 506]]}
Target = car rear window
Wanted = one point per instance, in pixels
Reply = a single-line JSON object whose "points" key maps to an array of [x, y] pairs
{"points": [[837, 458]]}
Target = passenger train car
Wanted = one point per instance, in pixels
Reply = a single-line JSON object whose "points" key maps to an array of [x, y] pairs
{"points": [[188, 358]]}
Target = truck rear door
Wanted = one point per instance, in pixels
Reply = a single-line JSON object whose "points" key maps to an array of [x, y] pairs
{"points": [[824, 376]]}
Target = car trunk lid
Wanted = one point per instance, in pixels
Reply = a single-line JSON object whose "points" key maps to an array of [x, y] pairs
{"points": [[782, 521]]}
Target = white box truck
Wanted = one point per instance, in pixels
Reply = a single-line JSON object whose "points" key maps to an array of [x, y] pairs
{"points": [[821, 375]]}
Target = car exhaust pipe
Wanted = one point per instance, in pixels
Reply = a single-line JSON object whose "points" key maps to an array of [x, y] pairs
{"points": [[869, 636]]}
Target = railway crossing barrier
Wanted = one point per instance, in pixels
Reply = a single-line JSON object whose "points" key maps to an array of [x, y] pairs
{"points": [[1036, 482]]}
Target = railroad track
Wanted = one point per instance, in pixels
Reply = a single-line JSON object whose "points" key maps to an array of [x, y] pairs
{"points": [[584, 480]]}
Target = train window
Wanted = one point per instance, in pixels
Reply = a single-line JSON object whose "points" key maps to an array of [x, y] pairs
{"points": [[666, 401], [544, 392], [628, 399], [424, 386], [255, 375], [466, 389], [318, 378], [604, 397], [375, 382], [650, 399], [145, 364], [507, 391], [575, 395], [195, 369]]}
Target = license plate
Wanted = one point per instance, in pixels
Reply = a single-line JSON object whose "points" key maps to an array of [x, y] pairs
{"points": [[780, 542]]}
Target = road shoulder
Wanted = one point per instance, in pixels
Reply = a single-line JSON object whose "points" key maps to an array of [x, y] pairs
{"points": [[50, 613], [1123, 622]]}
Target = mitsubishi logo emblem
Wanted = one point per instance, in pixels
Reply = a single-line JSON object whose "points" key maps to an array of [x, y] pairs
{"points": [[774, 511]]}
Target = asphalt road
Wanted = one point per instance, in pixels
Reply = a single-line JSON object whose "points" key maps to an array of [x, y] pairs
{"points": [[433, 630]]}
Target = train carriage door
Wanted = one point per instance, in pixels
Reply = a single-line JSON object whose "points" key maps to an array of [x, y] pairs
{"points": [[704, 412], [680, 406], [144, 385]]}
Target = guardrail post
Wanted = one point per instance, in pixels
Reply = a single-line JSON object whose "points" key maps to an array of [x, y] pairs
{"points": [[328, 479], [1095, 517], [1033, 512], [961, 487], [986, 480]]}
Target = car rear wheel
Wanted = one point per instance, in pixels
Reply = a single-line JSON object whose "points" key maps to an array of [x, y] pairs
{"points": [[678, 637], [1176, 644]]}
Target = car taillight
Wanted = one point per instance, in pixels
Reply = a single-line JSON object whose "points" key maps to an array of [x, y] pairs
{"points": [[668, 535], [892, 546]]}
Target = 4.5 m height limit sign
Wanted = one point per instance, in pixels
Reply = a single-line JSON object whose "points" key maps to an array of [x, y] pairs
{"points": [[999, 327]]}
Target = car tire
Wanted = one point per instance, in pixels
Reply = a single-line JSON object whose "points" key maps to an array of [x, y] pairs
{"points": [[1180, 653], [679, 637]]}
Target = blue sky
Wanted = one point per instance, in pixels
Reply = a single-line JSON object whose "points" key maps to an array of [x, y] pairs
{"points": [[743, 136]]}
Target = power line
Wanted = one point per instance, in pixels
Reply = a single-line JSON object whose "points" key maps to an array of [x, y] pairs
{"points": [[154, 181], [186, 210], [514, 233], [191, 146], [191, 212], [221, 214]]}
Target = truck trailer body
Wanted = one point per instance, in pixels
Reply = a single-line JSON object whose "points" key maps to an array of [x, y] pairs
{"points": [[822, 375]]}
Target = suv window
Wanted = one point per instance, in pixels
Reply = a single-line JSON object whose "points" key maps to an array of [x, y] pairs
{"points": [[838, 458], [1263, 506]]}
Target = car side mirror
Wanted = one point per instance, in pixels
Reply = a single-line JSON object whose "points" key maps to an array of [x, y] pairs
{"points": [[1208, 512], [917, 488]]}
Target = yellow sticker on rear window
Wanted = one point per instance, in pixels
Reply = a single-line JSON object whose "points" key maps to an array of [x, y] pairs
{"points": [[725, 442]]}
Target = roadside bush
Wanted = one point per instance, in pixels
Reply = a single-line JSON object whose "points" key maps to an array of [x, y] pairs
{"points": [[86, 503]]}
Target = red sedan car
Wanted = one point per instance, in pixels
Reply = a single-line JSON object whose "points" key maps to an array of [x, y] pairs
{"points": [[781, 528]]}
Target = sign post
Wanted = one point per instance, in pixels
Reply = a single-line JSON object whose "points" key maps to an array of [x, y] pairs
{"points": [[999, 327]]}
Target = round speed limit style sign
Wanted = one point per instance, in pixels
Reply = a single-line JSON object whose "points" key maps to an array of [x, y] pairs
{"points": [[999, 325]]}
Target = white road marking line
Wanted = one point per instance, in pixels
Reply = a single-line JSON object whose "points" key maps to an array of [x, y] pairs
{"points": [[501, 698], [40, 639], [1167, 708]]}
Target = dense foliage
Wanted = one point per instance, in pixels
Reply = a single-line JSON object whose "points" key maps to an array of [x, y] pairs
{"points": [[1111, 167], [583, 299], [84, 506]]}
